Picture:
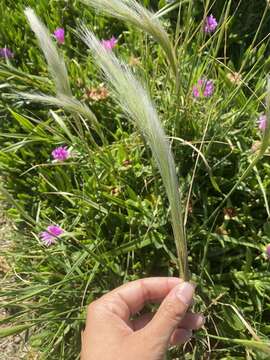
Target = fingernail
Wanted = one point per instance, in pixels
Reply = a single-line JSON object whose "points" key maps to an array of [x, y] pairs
{"points": [[185, 293], [188, 335], [201, 320]]}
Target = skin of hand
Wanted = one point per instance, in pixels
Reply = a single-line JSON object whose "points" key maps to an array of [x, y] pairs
{"points": [[110, 334]]}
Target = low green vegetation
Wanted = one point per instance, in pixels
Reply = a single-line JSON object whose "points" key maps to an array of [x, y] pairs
{"points": [[83, 182]]}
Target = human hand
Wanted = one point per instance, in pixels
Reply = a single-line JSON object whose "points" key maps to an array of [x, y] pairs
{"points": [[111, 335]]}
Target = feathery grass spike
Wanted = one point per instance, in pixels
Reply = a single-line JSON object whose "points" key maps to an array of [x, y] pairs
{"points": [[138, 15], [59, 73], [136, 103], [65, 102], [55, 61]]}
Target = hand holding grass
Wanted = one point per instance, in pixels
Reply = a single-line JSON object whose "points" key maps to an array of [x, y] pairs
{"points": [[111, 335]]}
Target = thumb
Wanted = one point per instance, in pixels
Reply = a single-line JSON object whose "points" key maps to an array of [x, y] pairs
{"points": [[170, 313]]}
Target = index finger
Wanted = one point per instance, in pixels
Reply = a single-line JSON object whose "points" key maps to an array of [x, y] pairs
{"points": [[131, 297]]}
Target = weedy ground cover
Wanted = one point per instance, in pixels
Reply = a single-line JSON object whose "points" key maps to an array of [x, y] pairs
{"points": [[90, 191]]}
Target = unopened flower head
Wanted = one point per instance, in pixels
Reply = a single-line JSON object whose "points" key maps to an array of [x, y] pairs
{"points": [[204, 88], [134, 61], [97, 94], [49, 236], [59, 34], [6, 53], [61, 153], [262, 122], [235, 78], [256, 146], [210, 24], [110, 43]]}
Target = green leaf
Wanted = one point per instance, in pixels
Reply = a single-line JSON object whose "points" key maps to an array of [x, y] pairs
{"points": [[23, 121], [7, 331]]}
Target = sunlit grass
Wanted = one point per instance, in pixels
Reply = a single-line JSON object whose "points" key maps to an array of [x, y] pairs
{"points": [[114, 202]]}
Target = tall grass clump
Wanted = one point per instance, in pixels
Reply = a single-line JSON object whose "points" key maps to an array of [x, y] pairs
{"points": [[136, 103]]}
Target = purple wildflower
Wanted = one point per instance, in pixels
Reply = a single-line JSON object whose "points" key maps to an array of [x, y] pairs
{"points": [[210, 24], [61, 153], [49, 236], [6, 53], [59, 34], [262, 122], [209, 88], [267, 251], [204, 88], [109, 44], [196, 92]]}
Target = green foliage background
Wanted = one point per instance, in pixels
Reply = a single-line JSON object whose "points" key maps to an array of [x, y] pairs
{"points": [[109, 197]]}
